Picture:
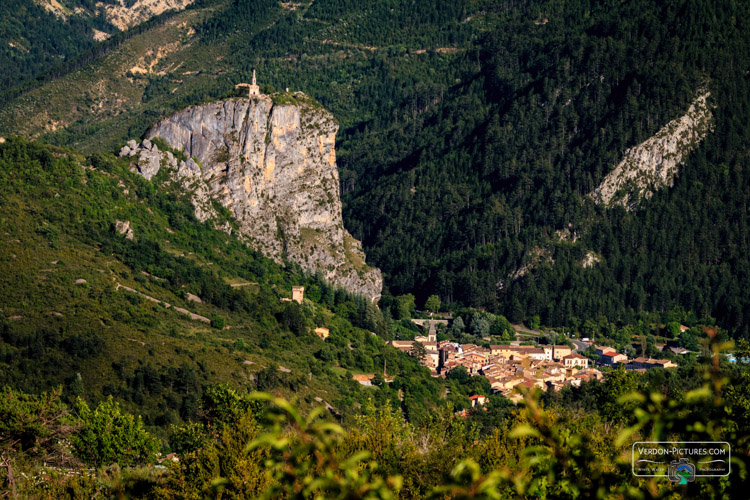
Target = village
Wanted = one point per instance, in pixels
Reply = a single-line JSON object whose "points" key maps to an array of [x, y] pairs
{"points": [[507, 366], [511, 365]]}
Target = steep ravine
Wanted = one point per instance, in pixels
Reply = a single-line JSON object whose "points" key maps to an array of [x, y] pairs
{"points": [[274, 167]]}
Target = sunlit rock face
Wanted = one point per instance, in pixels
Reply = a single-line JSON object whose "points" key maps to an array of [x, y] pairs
{"points": [[274, 167]]}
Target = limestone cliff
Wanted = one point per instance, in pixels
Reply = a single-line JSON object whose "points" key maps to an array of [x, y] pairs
{"points": [[653, 164], [273, 165]]}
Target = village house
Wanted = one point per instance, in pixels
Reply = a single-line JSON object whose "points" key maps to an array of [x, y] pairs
{"points": [[473, 348], [477, 400], [600, 350], [587, 375], [611, 358], [447, 367], [641, 363], [505, 383], [560, 351], [447, 351], [298, 294], [548, 352], [403, 345], [432, 360], [364, 378], [575, 359], [322, 332], [521, 351], [498, 350], [538, 354], [554, 366], [475, 357]]}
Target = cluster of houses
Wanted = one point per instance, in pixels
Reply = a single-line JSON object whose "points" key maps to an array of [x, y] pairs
{"points": [[505, 366], [508, 366]]}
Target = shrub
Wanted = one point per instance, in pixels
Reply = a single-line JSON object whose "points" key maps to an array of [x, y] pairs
{"points": [[108, 436], [218, 322]]}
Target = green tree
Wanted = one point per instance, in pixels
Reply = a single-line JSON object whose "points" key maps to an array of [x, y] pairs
{"points": [[294, 318], [457, 327], [673, 329], [433, 303], [222, 404], [479, 325], [30, 423], [535, 322], [218, 322], [110, 436], [332, 473], [459, 374], [313, 292], [406, 305], [418, 351]]}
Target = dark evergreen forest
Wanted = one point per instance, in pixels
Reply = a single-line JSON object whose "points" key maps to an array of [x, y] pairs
{"points": [[454, 200], [35, 40]]}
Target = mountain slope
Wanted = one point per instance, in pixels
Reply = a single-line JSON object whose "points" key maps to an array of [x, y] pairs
{"points": [[38, 35], [110, 91], [468, 193], [471, 133], [125, 14], [98, 268]]}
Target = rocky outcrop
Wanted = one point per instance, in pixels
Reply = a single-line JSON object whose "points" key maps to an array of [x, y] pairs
{"points": [[54, 7], [127, 14], [654, 163], [590, 260], [148, 161], [274, 167], [123, 228]]}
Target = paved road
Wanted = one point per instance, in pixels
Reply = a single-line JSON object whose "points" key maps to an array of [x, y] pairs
{"points": [[580, 346], [523, 329]]}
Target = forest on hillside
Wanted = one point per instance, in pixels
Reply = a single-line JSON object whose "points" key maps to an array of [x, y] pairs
{"points": [[35, 40], [472, 132], [486, 172]]}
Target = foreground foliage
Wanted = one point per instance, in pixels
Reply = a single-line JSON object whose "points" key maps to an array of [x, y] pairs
{"points": [[260, 446]]}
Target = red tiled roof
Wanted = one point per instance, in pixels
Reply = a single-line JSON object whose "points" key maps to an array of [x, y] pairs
{"points": [[611, 354]]}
